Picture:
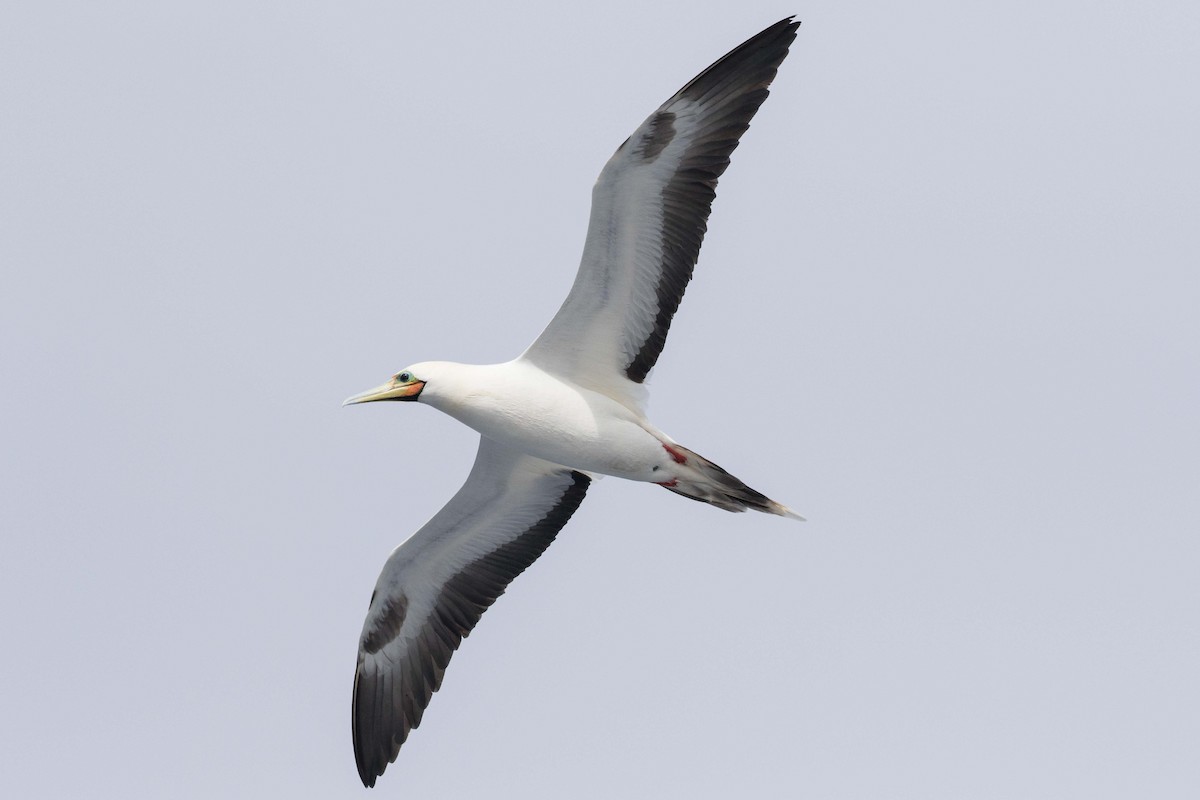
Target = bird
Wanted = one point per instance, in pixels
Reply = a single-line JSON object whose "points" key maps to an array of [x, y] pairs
{"points": [[568, 409]]}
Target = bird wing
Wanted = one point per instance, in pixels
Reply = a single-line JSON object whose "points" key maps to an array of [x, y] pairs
{"points": [[650, 208], [436, 585]]}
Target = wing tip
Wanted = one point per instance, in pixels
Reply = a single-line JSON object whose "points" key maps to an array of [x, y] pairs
{"points": [[765, 50]]}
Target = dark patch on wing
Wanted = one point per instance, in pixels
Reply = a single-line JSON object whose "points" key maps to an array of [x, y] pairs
{"points": [[662, 131], [389, 703], [732, 89], [387, 625]]}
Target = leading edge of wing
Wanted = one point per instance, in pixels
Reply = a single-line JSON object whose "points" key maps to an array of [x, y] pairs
{"points": [[435, 587]]}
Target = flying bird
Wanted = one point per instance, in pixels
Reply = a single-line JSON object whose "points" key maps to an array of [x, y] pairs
{"points": [[570, 407]]}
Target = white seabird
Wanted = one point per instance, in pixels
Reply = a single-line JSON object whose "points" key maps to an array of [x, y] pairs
{"points": [[569, 406]]}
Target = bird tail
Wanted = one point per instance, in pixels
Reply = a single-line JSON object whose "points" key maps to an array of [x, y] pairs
{"points": [[707, 482]]}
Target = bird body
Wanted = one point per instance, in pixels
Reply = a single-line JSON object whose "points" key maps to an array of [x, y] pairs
{"points": [[571, 407], [521, 405]]}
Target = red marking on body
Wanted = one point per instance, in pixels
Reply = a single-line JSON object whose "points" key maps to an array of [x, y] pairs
{"points": [[679, 457], [668, 484]]}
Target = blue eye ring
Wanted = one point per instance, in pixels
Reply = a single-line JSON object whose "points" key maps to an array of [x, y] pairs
{"points": [[405, 377]]}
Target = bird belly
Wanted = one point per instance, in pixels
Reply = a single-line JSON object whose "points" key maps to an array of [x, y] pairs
{"points": [[614, 447], [577, 428]]}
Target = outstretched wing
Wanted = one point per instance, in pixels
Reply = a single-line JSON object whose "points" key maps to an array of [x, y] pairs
{"points": [[436, 585], [650, 209]]}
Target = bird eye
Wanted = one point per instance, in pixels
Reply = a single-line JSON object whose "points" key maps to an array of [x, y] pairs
{"points": [[404, 377]]}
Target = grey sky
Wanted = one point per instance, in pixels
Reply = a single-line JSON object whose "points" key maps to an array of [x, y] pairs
{"points": [[947, 310]]}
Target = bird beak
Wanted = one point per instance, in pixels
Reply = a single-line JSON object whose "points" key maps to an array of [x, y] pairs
{"points": [[389, 391]]}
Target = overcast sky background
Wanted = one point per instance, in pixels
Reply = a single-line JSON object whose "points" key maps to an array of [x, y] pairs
{"points": [[948, 309]]}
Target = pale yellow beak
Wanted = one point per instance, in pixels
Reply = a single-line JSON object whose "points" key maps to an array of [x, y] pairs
{"points": [[388, 391]]}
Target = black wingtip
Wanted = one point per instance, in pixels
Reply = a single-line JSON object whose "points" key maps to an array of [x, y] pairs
{"points": [[767, 48]]}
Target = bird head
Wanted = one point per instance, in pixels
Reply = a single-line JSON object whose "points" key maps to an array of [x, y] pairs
{"points": [[404, 385]]}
